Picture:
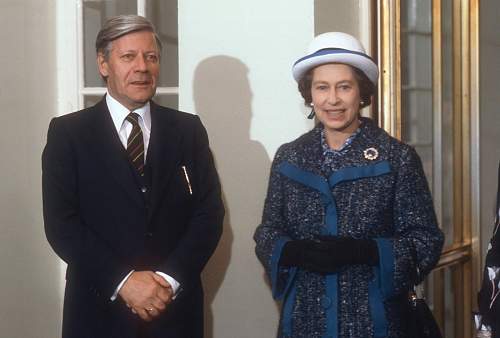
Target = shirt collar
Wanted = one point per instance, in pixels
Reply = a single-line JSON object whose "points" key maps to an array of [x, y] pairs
{"points": [[119, 112], [345, 146]]}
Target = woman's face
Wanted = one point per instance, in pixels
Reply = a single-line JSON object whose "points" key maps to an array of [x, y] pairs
{"points": [[336, 98]]}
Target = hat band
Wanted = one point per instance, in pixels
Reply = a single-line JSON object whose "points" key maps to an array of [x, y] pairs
{"points": [[327, 51]]}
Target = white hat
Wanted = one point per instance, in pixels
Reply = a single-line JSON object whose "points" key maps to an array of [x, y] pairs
{"points": [[339, 48]]}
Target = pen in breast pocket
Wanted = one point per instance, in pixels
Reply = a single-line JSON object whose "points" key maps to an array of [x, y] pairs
{"points": [[187, 180]]}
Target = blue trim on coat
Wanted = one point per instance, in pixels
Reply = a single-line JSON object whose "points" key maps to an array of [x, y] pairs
{"points": [[275, 258], [288, 312], [324, 186], [382, 286], [332, 311], [377, 310], [355, 173], [331, 220], [386, 265], [308, 179]]}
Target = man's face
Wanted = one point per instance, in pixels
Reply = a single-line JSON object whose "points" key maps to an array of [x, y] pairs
{"points": [[132, 68]]}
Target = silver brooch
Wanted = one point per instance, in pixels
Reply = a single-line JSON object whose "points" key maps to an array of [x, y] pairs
{"points": [[370, 154]]}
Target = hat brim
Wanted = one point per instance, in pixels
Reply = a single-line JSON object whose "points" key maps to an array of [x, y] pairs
{"points": [[359, 60]]}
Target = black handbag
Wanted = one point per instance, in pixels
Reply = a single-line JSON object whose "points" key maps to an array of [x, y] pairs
{"points": [[422, 323]]}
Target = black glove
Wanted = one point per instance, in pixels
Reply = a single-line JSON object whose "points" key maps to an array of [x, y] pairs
{"points": [[329, 254], [293, 253]]}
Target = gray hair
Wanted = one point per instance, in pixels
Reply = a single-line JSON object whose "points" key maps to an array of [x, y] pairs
{"points": [[118, 26]]}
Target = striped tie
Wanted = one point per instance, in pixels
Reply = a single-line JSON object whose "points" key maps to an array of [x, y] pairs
{"points": [[135, 143]]}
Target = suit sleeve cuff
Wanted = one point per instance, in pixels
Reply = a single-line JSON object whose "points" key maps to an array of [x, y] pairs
{"points": [[176, 286], [115, 294]]}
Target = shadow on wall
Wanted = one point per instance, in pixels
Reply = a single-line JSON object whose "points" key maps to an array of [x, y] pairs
{"points": [[222, 97]]}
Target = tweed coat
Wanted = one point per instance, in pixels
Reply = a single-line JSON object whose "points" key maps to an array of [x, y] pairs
{"points": [[376, 190]]}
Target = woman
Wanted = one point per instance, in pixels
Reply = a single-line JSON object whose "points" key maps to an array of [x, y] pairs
{"points": [[488, 300], [348, 224]]}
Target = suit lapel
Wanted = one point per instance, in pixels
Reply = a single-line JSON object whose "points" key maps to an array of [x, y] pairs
{"points": [[111, 152], [164, 151]]}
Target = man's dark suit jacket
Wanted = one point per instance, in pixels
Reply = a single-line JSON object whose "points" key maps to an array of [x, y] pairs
{"points": [[101, 223]]}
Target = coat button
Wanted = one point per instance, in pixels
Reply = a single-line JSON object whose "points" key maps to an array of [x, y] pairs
{"points": [[149, 234], [326, 302], [144, 189]]}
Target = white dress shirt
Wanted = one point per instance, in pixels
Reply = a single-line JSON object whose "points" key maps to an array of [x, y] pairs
{"points": [[124, 128]]}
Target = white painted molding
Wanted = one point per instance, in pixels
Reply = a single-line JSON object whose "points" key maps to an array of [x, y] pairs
{"points": [[67, 56]]}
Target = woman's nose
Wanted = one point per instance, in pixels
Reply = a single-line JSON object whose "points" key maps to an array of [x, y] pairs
{"points": [[333, 98]]}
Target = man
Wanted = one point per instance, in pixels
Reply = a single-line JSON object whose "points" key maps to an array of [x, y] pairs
{"points": [[131, 200]]}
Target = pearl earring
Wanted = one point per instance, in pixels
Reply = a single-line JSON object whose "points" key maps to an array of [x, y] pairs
{"points": [[312, 113]]}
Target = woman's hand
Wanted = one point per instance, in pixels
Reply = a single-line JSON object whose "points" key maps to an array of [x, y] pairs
{"points": [[329, 254]]}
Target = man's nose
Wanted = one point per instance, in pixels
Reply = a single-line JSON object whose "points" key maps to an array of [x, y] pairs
{"points": [[140, 63]]}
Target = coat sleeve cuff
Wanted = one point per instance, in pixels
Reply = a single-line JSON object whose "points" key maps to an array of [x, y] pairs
{"points": [[281, 277], [386, 266]]}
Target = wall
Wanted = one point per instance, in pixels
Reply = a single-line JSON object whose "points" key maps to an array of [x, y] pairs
{"points": [[352, 17], [328, 18], [489, 114], [30, 273]]}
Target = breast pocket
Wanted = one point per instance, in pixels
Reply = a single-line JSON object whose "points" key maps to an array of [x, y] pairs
{"points": [[182, 189]]}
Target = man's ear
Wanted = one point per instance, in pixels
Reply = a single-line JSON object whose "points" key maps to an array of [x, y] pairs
{"points": [[103, 65]]}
